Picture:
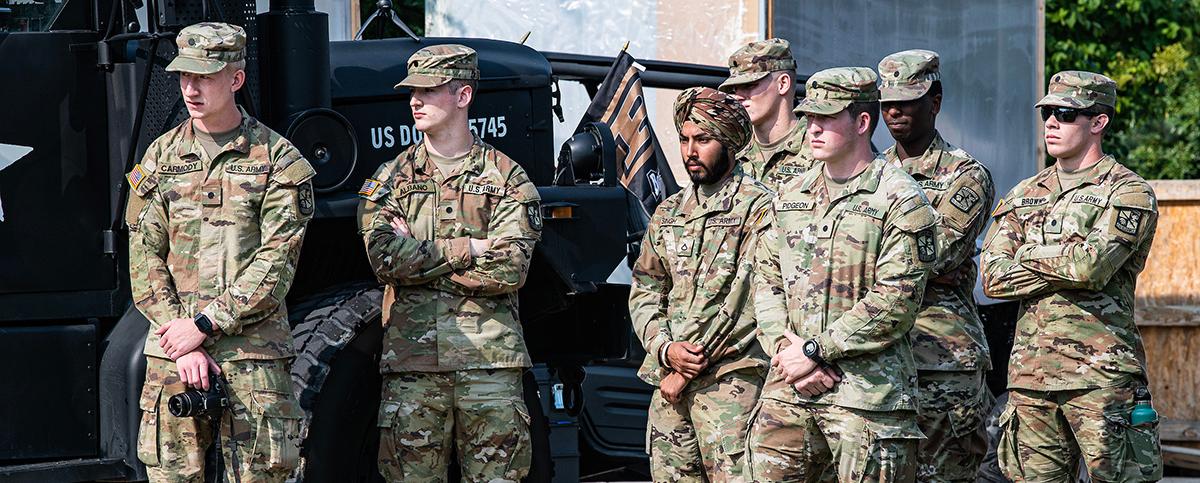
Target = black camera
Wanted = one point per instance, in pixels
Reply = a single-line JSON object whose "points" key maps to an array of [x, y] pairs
{"points": [[196, 403]]}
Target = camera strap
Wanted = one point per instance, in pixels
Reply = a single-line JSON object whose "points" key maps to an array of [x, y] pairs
{"points": [[216, 431], [233, 449]]}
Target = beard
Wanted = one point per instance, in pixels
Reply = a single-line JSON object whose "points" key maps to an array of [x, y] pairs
{"points": [[706, 175]]}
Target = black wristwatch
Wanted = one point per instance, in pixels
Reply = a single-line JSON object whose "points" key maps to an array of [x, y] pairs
{"points": [[205, 325], [812, 350]]}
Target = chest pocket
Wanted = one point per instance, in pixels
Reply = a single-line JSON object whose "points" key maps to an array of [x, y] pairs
{"points": [[243, 189], [1073, 216], [676, 240], [720, 250], [180, 183], [1033, 212], [418, 205], [856, 229], [477, 204]]}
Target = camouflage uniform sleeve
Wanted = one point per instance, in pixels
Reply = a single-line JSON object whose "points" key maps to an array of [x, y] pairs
{"points": [[1003, 276], [736, 327], [1128, 223], [964, 214], [770, 295], [150, 281], [260, 288], [888, 310], [397, 260], [515, 228], [648, 294], [403, 260]]}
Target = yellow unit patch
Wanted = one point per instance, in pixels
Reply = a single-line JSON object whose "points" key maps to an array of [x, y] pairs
{"points": [[999, 208]]}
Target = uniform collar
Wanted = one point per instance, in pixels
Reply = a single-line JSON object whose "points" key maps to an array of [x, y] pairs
{"points": [[473, 164], [191, 147], [925, 165], [867, 181], [1094, 174], [719, 202], [792, 146]]}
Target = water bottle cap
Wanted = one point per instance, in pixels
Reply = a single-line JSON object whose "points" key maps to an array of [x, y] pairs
{"points": [[1141, 393]]}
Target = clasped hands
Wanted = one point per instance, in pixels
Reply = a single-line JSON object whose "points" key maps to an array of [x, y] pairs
{"points": [[805, 375], [180, 339]]}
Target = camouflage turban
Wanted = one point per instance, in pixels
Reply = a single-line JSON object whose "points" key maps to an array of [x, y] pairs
{"points": [[716, 113]]}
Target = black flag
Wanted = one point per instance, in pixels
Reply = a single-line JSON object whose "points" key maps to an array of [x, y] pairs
{"points": [[641, 166]]}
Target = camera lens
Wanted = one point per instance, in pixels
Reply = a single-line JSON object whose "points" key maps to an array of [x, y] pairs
{"points": [[184, 404]]}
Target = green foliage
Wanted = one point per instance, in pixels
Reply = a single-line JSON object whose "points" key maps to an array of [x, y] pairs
{"points": [[1151, 49], [412, 13]]}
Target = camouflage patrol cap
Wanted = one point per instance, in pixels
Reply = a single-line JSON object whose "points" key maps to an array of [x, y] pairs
{"points": [[716, 113], [207, 47], [438, 64], [757, 59], [1079, 89], [907, 75], [830, 91]]}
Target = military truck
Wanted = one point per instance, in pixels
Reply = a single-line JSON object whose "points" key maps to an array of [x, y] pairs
{"points": [[85, 92]]}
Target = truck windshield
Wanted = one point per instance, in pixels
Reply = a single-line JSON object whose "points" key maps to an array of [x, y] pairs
{"points": [[28, 15]]}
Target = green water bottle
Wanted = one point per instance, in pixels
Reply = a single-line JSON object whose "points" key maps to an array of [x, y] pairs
{"points": [[1143, 413]]}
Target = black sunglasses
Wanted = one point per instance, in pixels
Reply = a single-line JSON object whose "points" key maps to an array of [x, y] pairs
{"points": [[1063, 114]]}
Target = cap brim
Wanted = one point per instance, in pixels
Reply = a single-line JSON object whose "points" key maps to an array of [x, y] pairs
{"points": [[824, 107], [423, 80], [196, 66], [740, 79], [1059, 100], [909, 92]]}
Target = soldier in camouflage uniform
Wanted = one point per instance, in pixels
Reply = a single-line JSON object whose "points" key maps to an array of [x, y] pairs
{"points": [[839, 280], [450, 226], [689, 297], [216, 215], [762, 76], [1069, 243], [948, 341]]}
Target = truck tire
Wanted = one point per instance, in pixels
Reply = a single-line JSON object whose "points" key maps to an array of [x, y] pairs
{"points": [[338, 337]]}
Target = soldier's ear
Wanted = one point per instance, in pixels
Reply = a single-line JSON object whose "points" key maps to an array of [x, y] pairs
{"points": [[1099, 122], [783, 83], [465, 94], [239, 80]]}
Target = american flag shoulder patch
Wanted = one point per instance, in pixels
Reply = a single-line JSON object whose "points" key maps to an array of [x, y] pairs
{"points": [[369, 187], [136, 176]]}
